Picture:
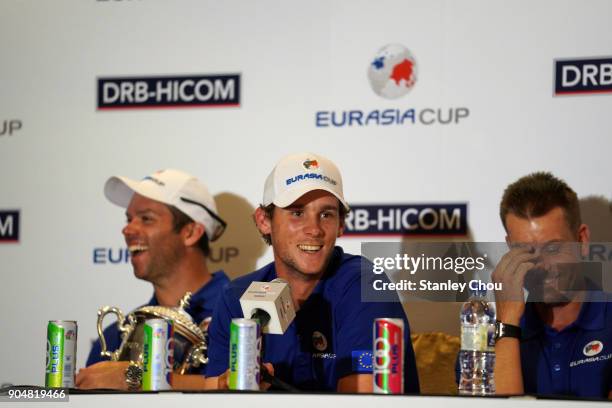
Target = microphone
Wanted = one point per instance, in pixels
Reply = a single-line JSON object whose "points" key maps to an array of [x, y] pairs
{"points": [[270, 303]]}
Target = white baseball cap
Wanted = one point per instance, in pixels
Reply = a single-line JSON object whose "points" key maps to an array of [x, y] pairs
{"points": [[171, 187], [297, 174]]}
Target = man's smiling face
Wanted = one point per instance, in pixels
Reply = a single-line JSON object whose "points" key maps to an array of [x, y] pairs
{"points": [[304, 234]]}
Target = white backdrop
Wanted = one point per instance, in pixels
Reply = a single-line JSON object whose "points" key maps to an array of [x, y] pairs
{"points": [[295, 58]]}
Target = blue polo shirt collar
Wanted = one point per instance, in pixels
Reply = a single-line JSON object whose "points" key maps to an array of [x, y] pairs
{"points": [[593, 312], [205, 298]]}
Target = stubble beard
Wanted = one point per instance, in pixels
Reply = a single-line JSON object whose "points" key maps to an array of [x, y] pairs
{"points": [[295, 271], [161, 264]]}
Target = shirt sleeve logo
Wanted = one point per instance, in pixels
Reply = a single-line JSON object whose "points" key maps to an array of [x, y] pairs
{"points": [[319, 342], [593, 348]]}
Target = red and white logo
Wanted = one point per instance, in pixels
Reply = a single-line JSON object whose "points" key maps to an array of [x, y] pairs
{"points": [[393, 71], [593, 348]]}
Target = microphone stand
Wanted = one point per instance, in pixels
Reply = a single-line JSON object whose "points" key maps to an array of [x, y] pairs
{"points": [[263, 318]]}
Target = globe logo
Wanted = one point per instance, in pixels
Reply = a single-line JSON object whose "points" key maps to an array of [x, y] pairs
{"points": [[393, 71]]}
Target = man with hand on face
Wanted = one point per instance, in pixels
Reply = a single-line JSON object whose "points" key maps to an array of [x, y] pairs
{"points": [[301, 216], [171, 217], [560, 343]]}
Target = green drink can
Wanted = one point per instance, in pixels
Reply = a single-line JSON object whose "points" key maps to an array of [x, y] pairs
{"points": [[61, 353], [245, 354], [157, 355]]}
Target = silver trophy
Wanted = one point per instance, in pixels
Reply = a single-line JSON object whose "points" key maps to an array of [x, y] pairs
{"points": [[190, 340]]}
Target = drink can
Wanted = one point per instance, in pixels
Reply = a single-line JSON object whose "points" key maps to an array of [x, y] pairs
{"points": [[158, 355], [61, 353], [388, 356], [245, 354]]}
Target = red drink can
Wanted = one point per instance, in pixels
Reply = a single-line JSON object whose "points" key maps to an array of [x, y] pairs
{"points": [[388, 352]]}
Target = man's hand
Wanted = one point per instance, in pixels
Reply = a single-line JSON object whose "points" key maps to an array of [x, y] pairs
{"points": [[105, 374], [264, 386], [188, 382], [356, 383], [510, 305], [222, 382], [511, 271]]}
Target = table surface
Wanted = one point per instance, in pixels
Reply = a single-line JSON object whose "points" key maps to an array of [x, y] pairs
{"points": [[268, 400]]}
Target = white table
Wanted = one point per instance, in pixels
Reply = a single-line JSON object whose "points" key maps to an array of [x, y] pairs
{"points": [[269, 400]]}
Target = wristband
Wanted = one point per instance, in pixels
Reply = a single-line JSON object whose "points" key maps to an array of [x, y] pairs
{"points": [[506, 330]]}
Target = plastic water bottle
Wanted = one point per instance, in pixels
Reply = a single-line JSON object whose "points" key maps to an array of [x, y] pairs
{"points": [[477, 355]]}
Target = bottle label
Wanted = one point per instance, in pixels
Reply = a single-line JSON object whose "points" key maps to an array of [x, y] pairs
{"points": [[478, 337]]}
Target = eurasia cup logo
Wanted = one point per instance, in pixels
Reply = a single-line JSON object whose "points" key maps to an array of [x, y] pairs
{"points": [[311, 164], [593, 348], [319, 341], [393, 71]]}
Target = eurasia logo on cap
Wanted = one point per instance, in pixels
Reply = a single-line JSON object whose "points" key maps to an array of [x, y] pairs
{"points": [[311, 164], [297, 174], [154, 179], [593, 348]]}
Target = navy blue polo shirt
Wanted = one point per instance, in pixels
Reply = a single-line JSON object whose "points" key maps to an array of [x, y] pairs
{"points": [[574, 361], [331, 335], [200, 307]]}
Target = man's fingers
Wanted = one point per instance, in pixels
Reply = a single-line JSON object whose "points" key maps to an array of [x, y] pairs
{"points": [[264, 386], [80, 377], [500, 269], [83, 380], [105, 374], [522, 270], [222, 381], [269, 367], [501, 265], [507, 266], [519, 260], [511, 254]]}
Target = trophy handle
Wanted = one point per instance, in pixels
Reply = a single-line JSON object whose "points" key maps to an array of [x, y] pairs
{"points": [[198, 353], [124, 328], [195, 358]]}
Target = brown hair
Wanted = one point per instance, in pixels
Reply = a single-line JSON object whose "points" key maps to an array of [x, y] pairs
{"points": [[179, 220], [269, 210], [536, 194]]}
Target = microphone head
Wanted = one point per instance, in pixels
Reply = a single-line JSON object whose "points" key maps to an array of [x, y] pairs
{"points": [[273, 298], [261, 315]]}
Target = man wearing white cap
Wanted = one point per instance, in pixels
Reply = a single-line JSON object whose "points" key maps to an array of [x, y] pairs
{"points": [[328, 346], [171, 217]]}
